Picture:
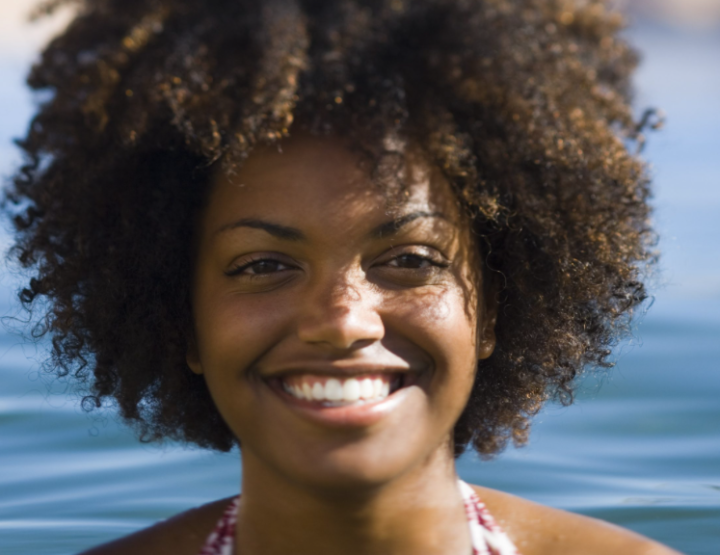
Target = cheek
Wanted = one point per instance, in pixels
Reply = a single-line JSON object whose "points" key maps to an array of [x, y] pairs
{"points": [[233, 332], [235, 325], [444, 324], [444, 315]]}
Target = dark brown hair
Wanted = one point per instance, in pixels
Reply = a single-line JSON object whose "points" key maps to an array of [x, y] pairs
{"points": [[523, 104]]}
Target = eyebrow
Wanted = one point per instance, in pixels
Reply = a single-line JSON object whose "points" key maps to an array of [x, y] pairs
{"points": [[276, 230], [287, 233], [394, 226]]}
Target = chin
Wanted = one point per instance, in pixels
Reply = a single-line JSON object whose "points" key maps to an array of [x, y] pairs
{"points": [[361, 467]]}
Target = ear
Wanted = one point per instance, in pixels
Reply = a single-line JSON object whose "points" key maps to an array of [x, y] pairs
{"points": [[193, 358], [488, 311]]}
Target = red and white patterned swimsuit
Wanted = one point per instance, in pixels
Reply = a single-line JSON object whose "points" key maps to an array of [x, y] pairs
{"points": [[487, 537]]}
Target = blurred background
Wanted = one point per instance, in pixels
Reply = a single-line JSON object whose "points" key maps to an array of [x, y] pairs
{"points": [[641, 447]]}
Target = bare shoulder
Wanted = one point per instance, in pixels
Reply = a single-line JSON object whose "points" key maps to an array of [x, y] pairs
{"points": [[539, 530], [183, 534]]}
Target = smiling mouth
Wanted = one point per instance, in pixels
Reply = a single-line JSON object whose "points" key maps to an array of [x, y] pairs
{"points": [[340, 391]]}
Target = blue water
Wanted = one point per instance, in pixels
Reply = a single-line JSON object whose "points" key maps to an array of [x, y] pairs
{"points": [[641, 447]]}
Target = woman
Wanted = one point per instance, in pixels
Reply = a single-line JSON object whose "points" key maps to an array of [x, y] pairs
{"points": [[353, 237]]}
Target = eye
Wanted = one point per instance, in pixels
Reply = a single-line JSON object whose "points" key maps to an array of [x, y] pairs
{"points": [[412, 261], [412, 266], [259, 267]]}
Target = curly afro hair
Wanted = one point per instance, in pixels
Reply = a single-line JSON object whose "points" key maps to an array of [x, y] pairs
{"points": [[523, 105]]}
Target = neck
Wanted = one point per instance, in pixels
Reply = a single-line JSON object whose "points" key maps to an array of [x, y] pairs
{"points": [[420, 511]]}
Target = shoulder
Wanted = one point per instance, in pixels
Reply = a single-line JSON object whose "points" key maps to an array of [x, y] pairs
{"points": [[183, 534], [539, 530]]}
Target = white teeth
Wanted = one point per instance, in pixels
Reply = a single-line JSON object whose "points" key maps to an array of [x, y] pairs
{"points": [[307, 391], [351, 390], [367, 390], [333, 390], [318, 392], [377, 387], [336, 391]]}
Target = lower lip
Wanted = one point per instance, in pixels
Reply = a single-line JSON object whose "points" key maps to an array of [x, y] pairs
{"points": [[360, 415]]}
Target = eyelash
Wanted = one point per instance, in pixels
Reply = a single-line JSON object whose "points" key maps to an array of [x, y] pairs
{"points": [[238, 270], [413, 255]]}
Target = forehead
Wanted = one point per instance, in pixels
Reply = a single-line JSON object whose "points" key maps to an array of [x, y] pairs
{"points": [[311, 177]]}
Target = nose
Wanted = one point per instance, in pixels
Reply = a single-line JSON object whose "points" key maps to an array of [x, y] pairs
{"points": [[341, 313]]}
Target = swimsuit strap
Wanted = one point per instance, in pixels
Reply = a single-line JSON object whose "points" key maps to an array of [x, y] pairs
{"points": [[487, 537], [222, 540]]}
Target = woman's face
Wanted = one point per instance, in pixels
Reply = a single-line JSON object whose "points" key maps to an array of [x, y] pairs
{"points": [[338, 324]]}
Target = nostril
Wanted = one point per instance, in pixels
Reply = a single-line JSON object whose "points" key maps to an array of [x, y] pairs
{"points": [[352, 330]]}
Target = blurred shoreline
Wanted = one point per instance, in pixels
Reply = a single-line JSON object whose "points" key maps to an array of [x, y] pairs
{"points": [[683, 14]]}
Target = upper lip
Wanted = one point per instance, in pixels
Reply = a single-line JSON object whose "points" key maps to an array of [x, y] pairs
{"points": [[336, 369]]}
